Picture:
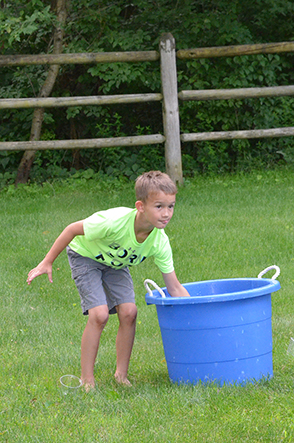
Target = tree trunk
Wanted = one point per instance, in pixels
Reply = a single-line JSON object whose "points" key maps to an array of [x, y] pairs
{"points": [[28, 157]]}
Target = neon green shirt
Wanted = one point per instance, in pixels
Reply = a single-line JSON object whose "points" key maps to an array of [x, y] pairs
{"points": [[109, 238]]}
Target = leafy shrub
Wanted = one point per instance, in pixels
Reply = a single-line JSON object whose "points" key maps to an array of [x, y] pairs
{"points": [[117, 26]]}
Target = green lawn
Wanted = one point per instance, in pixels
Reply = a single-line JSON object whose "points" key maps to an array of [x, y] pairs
{"points": [[223, 227]]}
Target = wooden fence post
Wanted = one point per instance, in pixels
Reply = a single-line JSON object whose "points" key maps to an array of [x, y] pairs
{"points": [[171, 120]]}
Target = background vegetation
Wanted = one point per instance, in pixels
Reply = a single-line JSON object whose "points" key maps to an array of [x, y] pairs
{"points": [[94, 25]]}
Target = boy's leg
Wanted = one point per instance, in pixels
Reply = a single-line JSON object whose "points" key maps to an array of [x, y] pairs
{"points": [[97, 319], [127, 314]]}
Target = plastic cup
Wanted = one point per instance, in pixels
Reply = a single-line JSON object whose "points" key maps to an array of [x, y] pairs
{"points": [[290, 350], [70, 384]]}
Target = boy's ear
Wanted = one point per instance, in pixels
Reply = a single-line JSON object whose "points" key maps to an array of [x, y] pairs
{"points": [[139, 206]]}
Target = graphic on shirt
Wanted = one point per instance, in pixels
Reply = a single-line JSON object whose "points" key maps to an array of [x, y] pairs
{"points": [[117, 253]]}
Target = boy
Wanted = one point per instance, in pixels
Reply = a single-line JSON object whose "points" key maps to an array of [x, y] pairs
{"points": [[100, 250]]}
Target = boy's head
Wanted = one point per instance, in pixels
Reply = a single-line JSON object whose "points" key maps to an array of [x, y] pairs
{"points": [[153, 182]]}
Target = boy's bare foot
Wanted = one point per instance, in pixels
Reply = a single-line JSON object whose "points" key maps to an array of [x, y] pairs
{"points": [[122, 380], [88, 385]]}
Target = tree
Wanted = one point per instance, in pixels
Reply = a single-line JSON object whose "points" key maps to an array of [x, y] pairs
{"points": [[28, 157]]}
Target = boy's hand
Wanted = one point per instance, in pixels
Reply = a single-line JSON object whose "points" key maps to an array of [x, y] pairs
{"points": [[174, 287], [42, 268]]}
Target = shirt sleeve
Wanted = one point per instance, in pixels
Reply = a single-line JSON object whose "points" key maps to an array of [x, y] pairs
{"points": [[164, 257], [96, 226]]}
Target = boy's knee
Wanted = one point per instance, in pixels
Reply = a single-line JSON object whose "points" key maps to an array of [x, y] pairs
{"points": [[99, 315], [132, 312], [127, 312]]}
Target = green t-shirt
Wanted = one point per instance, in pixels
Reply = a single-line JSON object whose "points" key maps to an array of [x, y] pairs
{"points": [[109, 238]]}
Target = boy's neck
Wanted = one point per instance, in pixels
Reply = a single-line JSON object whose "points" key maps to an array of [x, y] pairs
{"points": [[142, 230]]}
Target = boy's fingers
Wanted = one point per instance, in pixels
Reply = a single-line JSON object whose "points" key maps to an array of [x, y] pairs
{"points": [[50, 277], [36, 272], [33, 274]]}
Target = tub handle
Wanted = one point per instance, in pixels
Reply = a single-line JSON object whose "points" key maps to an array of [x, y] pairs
{"points": [[268, 269], [151, 282]]}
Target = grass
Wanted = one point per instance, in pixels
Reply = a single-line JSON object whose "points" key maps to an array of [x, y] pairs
{"points": [[223, 227]]}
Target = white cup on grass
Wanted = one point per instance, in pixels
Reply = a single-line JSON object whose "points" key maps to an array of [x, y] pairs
{"points": [[70, 384]]}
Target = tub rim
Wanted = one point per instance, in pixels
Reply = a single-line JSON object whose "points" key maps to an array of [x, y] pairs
{"points": [[266, 289]]}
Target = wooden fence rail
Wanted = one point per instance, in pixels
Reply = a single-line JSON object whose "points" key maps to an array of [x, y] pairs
{"points": [[233, 51], [231, 135], [237, 94], [57, 102], [137, 140], [83, 58], [169, 97]]}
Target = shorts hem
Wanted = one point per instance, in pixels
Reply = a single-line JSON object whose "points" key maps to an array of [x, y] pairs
{"points": [[111, 310]]}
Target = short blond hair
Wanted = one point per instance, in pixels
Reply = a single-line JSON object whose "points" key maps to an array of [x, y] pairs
{"points": [[153, 182]]}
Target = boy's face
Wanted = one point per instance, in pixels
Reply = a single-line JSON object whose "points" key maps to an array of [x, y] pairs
{"points": [[158, 209]]}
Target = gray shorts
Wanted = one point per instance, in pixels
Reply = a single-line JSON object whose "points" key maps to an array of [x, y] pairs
{"points": [[99, 284]]}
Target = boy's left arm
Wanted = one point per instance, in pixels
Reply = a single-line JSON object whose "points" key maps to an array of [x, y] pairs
{"points": [[173, 286]]}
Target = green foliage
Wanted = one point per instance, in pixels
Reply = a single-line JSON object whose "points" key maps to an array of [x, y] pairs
{"points": [[116, 26], [25, 25], [6, 179]]}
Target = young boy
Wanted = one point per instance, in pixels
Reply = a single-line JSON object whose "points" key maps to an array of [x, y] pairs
{"points": [[100, 251]]}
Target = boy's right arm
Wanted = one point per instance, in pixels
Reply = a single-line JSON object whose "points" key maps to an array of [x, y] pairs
{"points": [[45, 266]]}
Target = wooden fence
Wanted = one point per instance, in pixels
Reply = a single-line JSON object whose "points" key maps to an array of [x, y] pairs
{"points": [[238, 93], [169, 97]]}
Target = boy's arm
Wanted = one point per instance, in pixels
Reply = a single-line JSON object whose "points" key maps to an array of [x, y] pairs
{"points": [[173, 286], [45, 266]]}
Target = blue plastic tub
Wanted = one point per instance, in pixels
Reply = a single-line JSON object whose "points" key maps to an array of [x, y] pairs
{"points": [[222, 332]]}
